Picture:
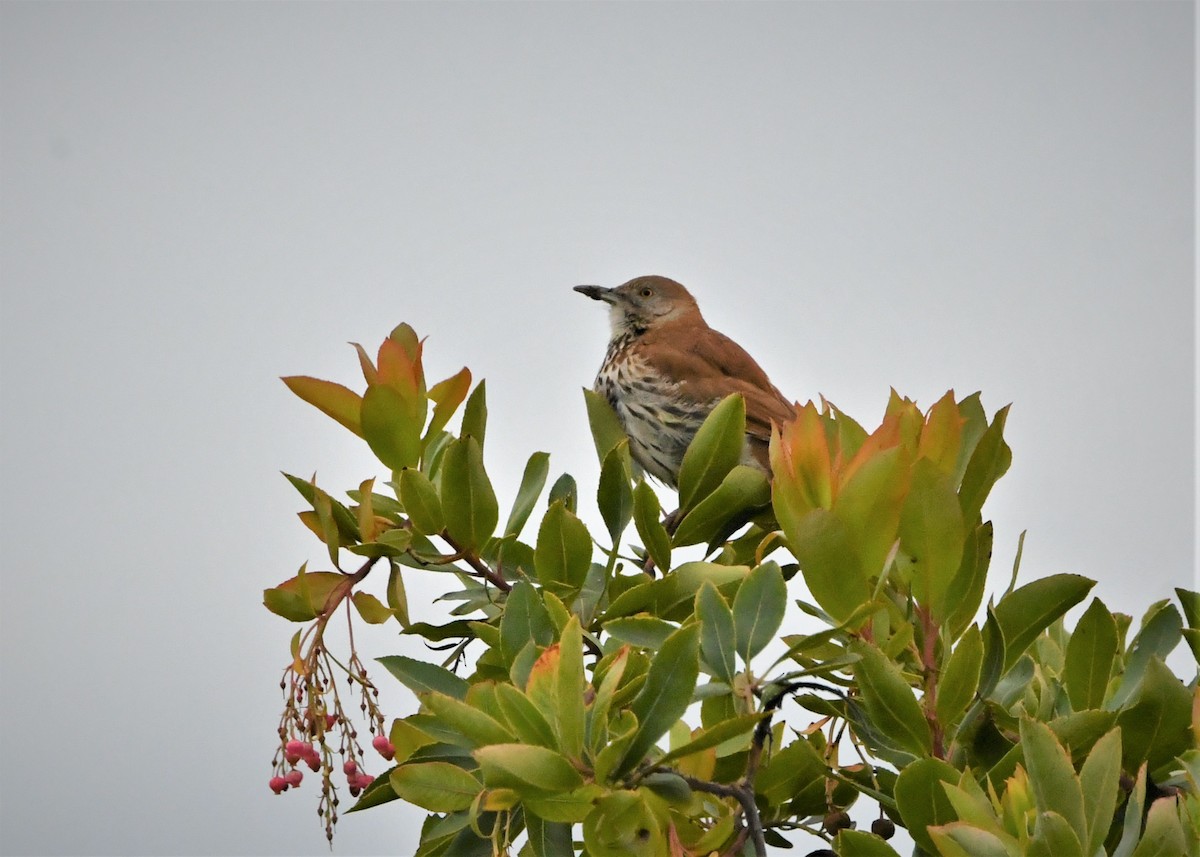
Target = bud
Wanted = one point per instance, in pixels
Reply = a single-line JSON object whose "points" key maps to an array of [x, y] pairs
{"points": [[278, 785], [294, 778], [350, 768], [384, 747]]}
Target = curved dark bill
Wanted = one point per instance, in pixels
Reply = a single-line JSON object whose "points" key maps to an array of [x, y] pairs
{"points": [[596, 293]]}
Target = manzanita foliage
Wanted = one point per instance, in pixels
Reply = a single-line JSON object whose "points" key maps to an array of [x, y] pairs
{"points": [[605, 699]]}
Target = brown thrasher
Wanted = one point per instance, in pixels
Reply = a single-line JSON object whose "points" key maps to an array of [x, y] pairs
{"points": [[666, 369]]}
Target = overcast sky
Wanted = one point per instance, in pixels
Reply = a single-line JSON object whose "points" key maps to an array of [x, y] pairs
{"points": [[199, 198]]}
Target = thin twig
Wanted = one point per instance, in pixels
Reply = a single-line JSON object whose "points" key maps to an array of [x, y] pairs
{"points": [[482, 568]]}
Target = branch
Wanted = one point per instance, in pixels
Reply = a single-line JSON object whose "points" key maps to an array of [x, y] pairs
{"points": [[482, 569]]}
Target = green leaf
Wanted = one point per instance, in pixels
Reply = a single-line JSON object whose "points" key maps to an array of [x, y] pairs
{"points": [[932, 535], [435, 786], [758, 609], [869, 506], [474, 421], [675, 593], [527, 722], [922, 802], [447, 395], [1157, 728], [525, 619], [717, 632], [571, 684], [420, 677], [614, 496], [607, 430], [973, 428], [1026, 612], [565, 491], [548, 838], [829, 563], [1089, 657], [421, 502], [390, 427], [644, 632], [526, 769], [647, 516], [334, 400], [1164, 835], [1160, 634], [303, 597], [713, 452], [532, 482], [478, 728], [791, 773], [858, 843], [743, 490], [1051, 777], [1098, 779], [564, 548], [890, 702], [468, 501], [718, 734], [379, 792], [371, 608], [1053, 837], [1190, 602], [966, 589], [960, 680], [666, 694], [988, 463]]}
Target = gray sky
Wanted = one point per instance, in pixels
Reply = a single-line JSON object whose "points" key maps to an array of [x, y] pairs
{"points": [[197, 199]]}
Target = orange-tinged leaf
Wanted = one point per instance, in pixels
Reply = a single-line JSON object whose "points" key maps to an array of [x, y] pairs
{"points": [[800, 461], [399, 370], [407, 337], [303, 597], [942, 434], [370, 374], [334, 400], [909, 419], [447, 396], [367, 522]]}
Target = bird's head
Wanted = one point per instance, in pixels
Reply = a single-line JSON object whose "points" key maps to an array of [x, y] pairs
{"points": [[644, 303]]}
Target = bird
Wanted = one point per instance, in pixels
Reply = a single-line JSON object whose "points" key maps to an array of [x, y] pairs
{"points": [[665, 370]]}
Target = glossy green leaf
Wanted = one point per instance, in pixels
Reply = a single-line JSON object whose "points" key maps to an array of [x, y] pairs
{"points": [[869, 504], [666, 694], [1098, 779], [370, 608], [792, 771], [570, 691], [965, 593], [533, 480], [647, 516], [435, 786], [1157, 727], [303, 597], [421, 502], [960, 678], [526, 769], [548, 838], [606, 427], [922, 802], [474, 421], [420, 677], [565, 491], [527, 722], [974, 425], [743, 490], [1190, 602], [1051, 776], [390, 427], [859, 843], [379, 792], [447, 395], [828, 562], [1160, 633], [1089, 657], [758, 609], [718, 734], [644, 632], [989, 461], [614, 496], [525, 619], [932, 535], [1029, 610], [477, 727], [713, 452], [890, 701], [468, 501], [675, 593], [334, 400], [717, 633], [564, 548], [1053, 836], [1164, 835]]}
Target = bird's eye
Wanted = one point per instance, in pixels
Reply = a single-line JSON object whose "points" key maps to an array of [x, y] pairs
{"points": [[647, 292]]}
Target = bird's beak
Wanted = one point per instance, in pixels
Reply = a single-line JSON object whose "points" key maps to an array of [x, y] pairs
{"points": [[598, 293]]}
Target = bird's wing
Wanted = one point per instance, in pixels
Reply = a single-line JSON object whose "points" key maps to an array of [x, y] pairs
{"points": [[715, 366]]}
